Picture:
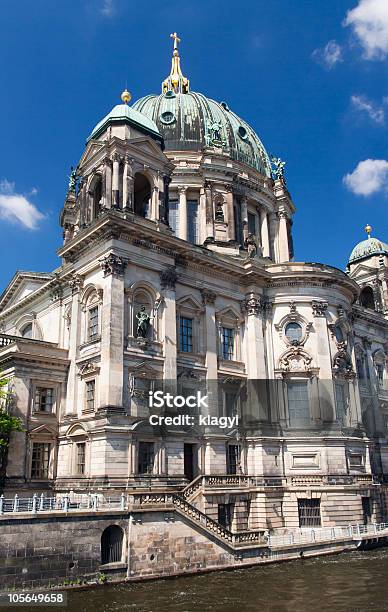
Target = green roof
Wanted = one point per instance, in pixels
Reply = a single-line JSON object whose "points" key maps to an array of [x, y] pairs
{"points": [[122, 113], [368, 248]]}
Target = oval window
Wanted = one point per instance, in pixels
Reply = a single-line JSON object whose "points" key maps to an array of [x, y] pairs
{"points": [[242, 132], [170, 94], [293, 332], [167, 117]]}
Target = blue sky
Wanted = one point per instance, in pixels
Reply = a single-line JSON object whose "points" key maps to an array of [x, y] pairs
{"points": [[311, 78]]}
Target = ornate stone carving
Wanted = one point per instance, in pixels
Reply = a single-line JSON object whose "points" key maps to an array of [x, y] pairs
{"points": [[113, 264], [319, 308], [208, 296], [56, 292], [88, 368], [278, 167], [168, 278], [143, 323], [253, 305], [342, 363], [76, 282], [296, 360]]}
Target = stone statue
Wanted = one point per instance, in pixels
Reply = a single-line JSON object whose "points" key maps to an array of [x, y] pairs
{"points": [[278, 171], [143, 323], [73, 179], [251, 246]]}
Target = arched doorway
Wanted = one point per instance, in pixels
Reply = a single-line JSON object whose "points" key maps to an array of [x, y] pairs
{"points": [[367, 298], [112, 544], [142, 195]]}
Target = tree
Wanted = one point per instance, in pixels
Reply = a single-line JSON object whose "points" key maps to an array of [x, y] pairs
{"points": [[8, 424]]}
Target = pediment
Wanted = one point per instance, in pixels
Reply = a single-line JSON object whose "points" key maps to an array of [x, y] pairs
{"points": [[143, 370], [362, 270], [22, 285], [43, 430], [189, 302], [92, 148], [229, 313], [147, 146]]}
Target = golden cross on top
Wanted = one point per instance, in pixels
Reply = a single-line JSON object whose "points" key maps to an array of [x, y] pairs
{"points": [[176, 40]]}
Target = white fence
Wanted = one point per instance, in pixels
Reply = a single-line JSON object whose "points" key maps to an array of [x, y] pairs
{"points": [[325, 534], [64, 503]]}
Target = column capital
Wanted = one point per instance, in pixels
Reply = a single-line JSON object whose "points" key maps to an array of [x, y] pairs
{"points": [[76, 282], [113, 264], [182, 189], [168, 278], [319, 308], [116, 157], [208, 296]]}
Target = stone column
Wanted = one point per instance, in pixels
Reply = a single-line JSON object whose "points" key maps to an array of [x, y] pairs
{"points": [[127, 184], [256, 366], [108, 183], [264, 233], [209, 213], [182, 213], [230, 209], [76, 284], [168, 280], [284, 252], [211, 335], [112, 332], [244, 217], [115, 180], [155, 203]]}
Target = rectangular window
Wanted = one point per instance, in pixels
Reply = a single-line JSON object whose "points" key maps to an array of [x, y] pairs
{"points": [[380, 373], [225, 515], [232, 459], [40, 460], [186, 335], [146, 458], [44, 399], [309, 511], [340, 402], [251, 224], [298, 403], [81, 456], [93, 323], [227, 336], [173, 216], [192, 221], [90, 394], [237, 223]]}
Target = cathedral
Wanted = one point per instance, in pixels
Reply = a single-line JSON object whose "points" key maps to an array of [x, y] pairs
{"points": [[177, 274]]}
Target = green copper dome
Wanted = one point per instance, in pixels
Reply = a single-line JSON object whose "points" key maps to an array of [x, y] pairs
{"points": [[190, 122], [122, 113], [367, 248]]}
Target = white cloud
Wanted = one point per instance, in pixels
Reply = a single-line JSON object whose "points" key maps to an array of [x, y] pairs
{"points": [[364, 105], [16, 207], [107, 9], [370, 176], [329, 55], [369, 22]]}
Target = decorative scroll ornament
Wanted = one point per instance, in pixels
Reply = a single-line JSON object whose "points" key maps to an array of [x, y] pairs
{"points": [[56, 289], [168, 278], [88, 368], [319, 308], [113, 264]]}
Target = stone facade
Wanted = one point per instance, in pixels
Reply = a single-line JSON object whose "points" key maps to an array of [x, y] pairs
{"points": [[176, 270]]}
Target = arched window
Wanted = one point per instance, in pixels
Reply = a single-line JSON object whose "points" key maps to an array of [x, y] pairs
{"points": [[142, 195], [367, 298], [112, 544], [96, 195], [26, 331]]}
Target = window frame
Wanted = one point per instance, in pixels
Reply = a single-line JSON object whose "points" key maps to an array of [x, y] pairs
{"points": [[48, 446], [87, 407], [296, 423], [190, 341], [152, 455]]}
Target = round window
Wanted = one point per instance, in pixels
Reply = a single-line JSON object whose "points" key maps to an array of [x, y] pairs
{"points": [[293, 332], [242, 133], [167, 117], [225, 106], [170, 94]]}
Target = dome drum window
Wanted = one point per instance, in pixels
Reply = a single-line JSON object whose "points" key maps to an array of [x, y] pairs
{"points": [[167, 117], [242, 132]]}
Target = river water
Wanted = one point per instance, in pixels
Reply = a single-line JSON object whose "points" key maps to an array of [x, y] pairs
{"points": [[349, 582]]}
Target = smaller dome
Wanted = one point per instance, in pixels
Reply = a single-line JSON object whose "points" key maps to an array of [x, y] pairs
{"points": [[122, 113], [368, 248]]}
